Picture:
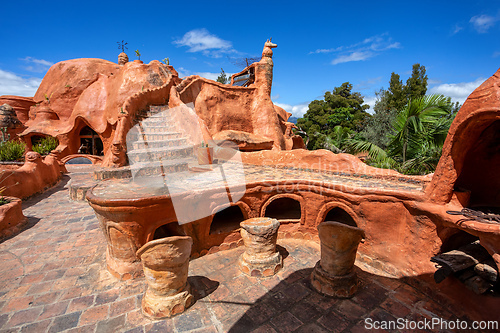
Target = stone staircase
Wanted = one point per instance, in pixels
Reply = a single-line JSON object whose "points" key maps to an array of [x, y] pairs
{"points": [[154, 147]]}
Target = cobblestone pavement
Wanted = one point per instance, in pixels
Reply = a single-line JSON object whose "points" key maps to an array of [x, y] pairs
{"points": [[53, 278]]}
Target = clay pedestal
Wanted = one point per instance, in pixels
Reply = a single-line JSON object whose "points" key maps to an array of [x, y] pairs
{"points": [[333, 275], [166, 263], [260, 257]]}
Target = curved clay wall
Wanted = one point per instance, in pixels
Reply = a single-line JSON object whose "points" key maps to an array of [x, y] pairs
{"points": [[34, 176]]}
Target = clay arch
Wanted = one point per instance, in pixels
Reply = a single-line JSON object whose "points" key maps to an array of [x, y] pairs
{"points": [[338, 212], [228, 218], [167, 230], [277, 205], [91, 158], [461, 139]]}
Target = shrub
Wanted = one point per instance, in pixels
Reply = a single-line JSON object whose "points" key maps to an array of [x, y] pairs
{"points": [[11, 150], [46, 145]]}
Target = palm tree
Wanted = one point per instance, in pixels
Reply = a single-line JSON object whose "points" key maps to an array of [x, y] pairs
{"points": [[418, 134], [417, 123]]}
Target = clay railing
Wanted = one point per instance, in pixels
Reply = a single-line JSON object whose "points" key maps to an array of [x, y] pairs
{"points": [[35, 175], [132, 105]]}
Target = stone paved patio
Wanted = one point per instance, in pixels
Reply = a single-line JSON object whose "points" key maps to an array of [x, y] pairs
{"points": [[53, 278]]}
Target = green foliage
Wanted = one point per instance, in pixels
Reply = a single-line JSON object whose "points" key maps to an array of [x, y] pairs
{"points": [[416, 138], [46, 145], [419, 123], [380, 123], [11, 150], [5, 135], [416, 85], [341, 107], [223, 78], [138, 54], [398, 95], [166, 61]]}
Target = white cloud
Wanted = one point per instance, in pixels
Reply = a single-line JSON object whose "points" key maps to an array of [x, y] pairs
{"points": [[353, 56], [364, 50], [200, 40], [367, 84], [456, 29], [370, 100], [296, 110], [12, 84], [457, 91], [327, 50], [496, 54], [482, 23], [36, 65]]}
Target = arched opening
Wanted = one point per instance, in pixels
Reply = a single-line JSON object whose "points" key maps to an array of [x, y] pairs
{"points": [[168, 230], [90, 142], [284, 210], [479, 174], [337, 214], [79, 160], [227, 220], [36, 139]]}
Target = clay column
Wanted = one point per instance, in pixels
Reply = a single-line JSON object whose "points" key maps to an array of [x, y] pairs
{"points": [[260, 257], [166, 263], [333, 275]]}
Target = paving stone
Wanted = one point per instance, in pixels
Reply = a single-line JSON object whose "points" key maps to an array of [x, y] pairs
{"points": [[57, 270], [94, 314], [37, 327], [333, 322], [64, 322], [286, 322], [53, 310], [164, 326], [111, 325]]}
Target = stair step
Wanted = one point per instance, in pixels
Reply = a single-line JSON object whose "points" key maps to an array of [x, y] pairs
{"points": [[155, 129], [144, 169], [158, 154], [154, 136], [158, 143]]}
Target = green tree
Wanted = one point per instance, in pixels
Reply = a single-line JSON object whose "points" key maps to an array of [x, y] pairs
{"points": [[380, 123], [138, 54], [396, 97], [416, 85], [223, 78], [399, 94], [416, 138], [341, 107], [421, 122]]}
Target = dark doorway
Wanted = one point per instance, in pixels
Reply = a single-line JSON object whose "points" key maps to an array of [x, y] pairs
{"points": [[90, 142]]}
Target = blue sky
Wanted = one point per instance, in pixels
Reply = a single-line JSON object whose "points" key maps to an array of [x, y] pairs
{"points": [[320, 44]]}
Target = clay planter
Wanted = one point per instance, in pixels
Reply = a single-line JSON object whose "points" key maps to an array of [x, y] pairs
{"points": [[166, 262], [260, 257], [11, 217], [205, 155], [334, 274]]}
